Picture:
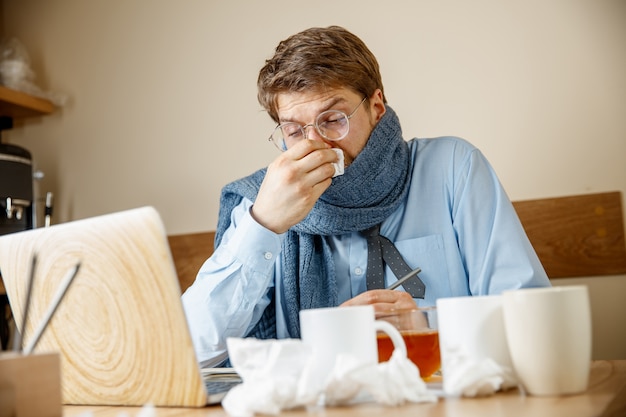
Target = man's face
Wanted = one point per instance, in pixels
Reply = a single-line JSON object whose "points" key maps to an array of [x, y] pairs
{"points": [[303, 108]]}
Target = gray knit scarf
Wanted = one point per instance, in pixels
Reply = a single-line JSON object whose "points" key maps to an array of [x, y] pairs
{"points": [[373, 186]]}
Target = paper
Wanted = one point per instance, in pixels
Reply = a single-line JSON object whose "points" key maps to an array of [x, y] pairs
{"points": [[339, 165], [276, 376], [473, 378]]}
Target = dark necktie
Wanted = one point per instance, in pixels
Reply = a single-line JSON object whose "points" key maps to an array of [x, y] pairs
{"points": [[381, 251]]}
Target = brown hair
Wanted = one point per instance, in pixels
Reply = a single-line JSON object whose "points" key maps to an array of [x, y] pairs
{"points": [[317, 59]]}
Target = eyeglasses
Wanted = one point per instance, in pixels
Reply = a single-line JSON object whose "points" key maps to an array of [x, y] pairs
{"points": [[332, 125]]}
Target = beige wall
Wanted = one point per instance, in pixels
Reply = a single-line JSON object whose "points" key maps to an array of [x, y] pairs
{"points": [[163, 107]]}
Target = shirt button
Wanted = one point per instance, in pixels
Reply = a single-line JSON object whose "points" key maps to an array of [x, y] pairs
{"points": [[358, 271], [268, 255]]}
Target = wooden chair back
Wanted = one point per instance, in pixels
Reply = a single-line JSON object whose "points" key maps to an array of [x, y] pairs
{"points": [[574, 236], [189, 252]]}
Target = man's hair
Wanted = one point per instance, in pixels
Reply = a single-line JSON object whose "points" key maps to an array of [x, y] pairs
{"points": [[315, 60]]}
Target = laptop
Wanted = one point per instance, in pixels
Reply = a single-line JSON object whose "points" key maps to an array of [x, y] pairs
{"points": [[121, 329]]}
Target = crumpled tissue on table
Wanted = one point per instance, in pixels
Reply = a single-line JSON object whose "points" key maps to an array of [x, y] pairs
{"points": [[473, 378], [277, 375]]}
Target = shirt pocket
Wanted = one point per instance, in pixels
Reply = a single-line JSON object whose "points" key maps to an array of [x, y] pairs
{"points": [[428, 253]]}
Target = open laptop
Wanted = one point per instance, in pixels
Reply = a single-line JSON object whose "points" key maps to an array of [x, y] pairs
{"points": [[120, 330]]}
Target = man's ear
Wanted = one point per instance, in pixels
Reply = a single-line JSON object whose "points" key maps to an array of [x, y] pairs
{"points": [[377, 105]]}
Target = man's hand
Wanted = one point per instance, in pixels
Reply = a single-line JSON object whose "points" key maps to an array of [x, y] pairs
{"points": [[293, 183], [383, 300]]}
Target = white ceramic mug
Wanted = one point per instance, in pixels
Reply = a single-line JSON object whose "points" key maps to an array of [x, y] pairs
{"points": [[336, 332], [471, 335], [549, 336]]}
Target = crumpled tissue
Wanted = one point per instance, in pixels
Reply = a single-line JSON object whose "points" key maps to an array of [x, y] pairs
{"points": [[465, 377], [278, 375]]}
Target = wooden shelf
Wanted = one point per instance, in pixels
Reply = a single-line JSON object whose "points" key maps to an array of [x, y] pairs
{"points": [[15, 104]]}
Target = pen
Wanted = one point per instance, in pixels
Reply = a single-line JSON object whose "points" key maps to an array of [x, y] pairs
{"points": [[17, 342], [52, 309], [404, 278]]}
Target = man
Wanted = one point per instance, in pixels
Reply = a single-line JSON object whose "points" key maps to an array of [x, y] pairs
{"points": [[295, 236]]}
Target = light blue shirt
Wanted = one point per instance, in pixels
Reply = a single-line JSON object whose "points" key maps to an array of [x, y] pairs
{"points": [[457, 224]]}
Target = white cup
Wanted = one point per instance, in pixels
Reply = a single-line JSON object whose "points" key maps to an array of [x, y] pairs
{"points": [[471, 339], [337, 333], [549, 336]]}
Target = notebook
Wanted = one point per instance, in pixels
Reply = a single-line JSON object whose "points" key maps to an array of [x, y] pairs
{"points": [[120, 330]]}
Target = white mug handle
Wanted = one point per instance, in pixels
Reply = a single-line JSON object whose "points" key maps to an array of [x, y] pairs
{"points": [[394, 334]]}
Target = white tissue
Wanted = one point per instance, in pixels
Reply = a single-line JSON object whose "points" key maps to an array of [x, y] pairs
{"points": [[273, 374], [276, 376], [390, 383], [339, 165], [472, 378]]}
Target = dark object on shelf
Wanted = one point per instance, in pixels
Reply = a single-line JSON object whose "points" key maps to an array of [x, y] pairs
{"points": [[16, 189]]}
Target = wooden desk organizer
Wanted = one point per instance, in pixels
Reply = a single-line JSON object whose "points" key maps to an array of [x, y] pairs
{"points": [[30, 386]]}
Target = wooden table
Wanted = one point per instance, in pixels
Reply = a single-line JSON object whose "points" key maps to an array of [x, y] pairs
{"points": [[606, 396]]}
